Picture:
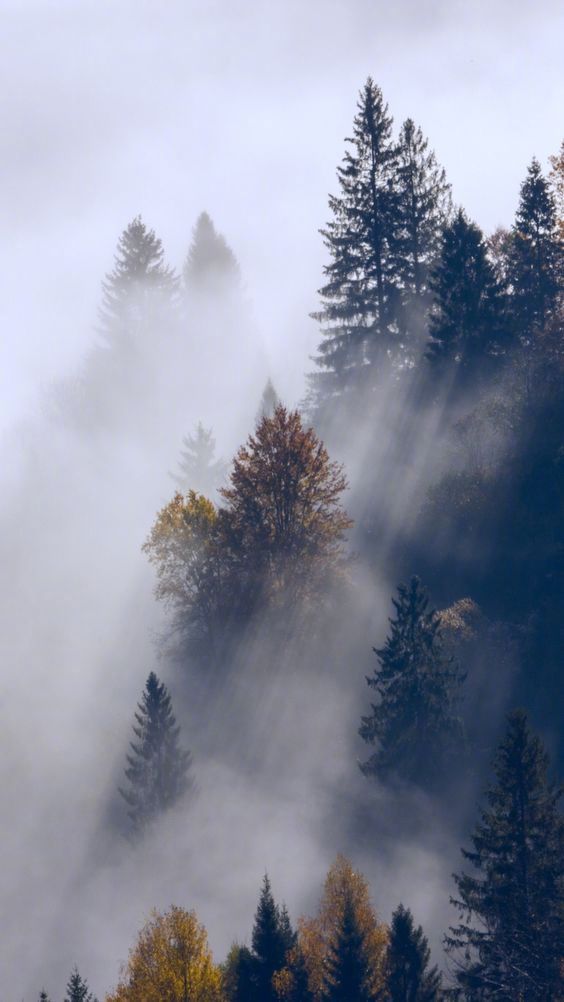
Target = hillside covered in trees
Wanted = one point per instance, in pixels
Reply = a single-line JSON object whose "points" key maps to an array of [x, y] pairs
{"points": [[299, 660]]}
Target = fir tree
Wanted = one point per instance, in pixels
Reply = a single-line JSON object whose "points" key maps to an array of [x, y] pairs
{"points": [[77, 989], [360, 296], [510, 941], [238, 974], [414, 722], [347, 972], [409, 976], [158, 769], [535, 257], [271, 940], [466, 322], [43, 996], [268, 403], [198, 469], [210, 264], [423, 205]]}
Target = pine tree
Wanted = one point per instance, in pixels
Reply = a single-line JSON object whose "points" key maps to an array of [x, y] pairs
{"points": [[409, 976], [140, 289], [43, 996], [347, 970], [238, 974], [272, 938], [158, 769], [414, 722], [268, 403], [210, 264], [535, 270], [198, 470], [423, 205], [77, 989], [360, 296], [510, 941], [466, 323]]}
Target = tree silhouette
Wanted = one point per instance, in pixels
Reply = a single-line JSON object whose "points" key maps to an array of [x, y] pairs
{"points": [[409, 977]]}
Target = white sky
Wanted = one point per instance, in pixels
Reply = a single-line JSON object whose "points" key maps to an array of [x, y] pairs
{"points": [[239, 107]]}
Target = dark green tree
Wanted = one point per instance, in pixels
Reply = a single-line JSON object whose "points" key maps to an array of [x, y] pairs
{"points": [[158, 769], [467, 318], [268, 402], [239, 974], [347, 969], [414, 723], [198, 469], [409, 977], [43, 996], [298, 990], [77, 989], [423, 206], [272, 938], [360, 296], [535, 255], [509, 943]]}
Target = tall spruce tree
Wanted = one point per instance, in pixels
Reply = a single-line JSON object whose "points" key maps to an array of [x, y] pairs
{"points": [[347, 965], [268, 402], [198, 469], [77, 989], [158, 769], [210, 264], [535, 256], [272, 938], [509, 943], [409, 977], [414, 723], [423, 206], [466, 322], [43, 996], [360, 296]]}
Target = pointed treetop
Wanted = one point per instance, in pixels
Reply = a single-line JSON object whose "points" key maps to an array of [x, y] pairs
{"points": [[210, 260]]}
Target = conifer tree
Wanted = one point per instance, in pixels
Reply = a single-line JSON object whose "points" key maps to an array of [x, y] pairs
{"points": [[466, 323], [43, 996], [347, 971], [413, 723], [535, 258], [198, 469], [423, 205], [158, 768], [409, 976], [238, 974], [509, 943], [272, 938], [210, 263], [360, 296], [77, 989], [268, 403]]}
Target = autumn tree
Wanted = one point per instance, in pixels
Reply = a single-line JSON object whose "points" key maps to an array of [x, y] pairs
{"points": [[171, 960], [158, 769], [413, 723], [509, 942], [77, 989], [409, 977], [198, 469]]}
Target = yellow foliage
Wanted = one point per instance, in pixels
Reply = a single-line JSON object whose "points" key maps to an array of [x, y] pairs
{"points": [[171, 962]]}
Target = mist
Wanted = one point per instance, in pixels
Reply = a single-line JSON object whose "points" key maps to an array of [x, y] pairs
{"points": [[238, 110]]}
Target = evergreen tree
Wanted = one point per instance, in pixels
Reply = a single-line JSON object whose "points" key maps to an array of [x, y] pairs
{"points": [[466, 323], [535, 259], [409, 979], [347, 971], [210, 264], [158, 769], [271, 940], [140, 288], [238, 974], [43, 996], [198, 470], [268, 403], [510, 941], [77, 989], [417, 684], [359, 298], [423, 204]]}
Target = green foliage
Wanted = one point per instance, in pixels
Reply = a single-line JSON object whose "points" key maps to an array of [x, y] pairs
{"points": [[414, 722], [77, 989], [158, 768], [409, 977], [347, 966], [272, 938], [510, 939]]}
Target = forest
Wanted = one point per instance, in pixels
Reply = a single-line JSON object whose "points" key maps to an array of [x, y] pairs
{"points": [[344, 611]]}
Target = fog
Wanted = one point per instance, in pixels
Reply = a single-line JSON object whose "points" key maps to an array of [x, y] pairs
{"points": [[240, 110]]}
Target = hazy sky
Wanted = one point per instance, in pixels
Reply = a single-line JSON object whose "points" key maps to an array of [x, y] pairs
{"points": [[115, 107]]}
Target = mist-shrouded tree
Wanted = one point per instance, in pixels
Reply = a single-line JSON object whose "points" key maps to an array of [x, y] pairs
{"points": [[414, 724], [198, 469], [158, 769], [509, 943], [43, 996], [272, 938], [210, 264], [171, 960], [423, 207], [347, 965], [77, 989], [409, 978], [268, 402], [535, 256], [359, 297], [556, 179], [467, 318]]}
